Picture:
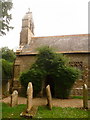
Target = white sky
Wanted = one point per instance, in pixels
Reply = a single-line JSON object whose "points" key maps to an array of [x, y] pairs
{"points": [[51, 18]]}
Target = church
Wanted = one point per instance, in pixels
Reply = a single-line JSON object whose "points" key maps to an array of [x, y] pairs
{"points": [[75, 47]]}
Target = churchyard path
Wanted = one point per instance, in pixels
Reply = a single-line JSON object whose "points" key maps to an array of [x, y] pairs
{"points": [[78, 103]]}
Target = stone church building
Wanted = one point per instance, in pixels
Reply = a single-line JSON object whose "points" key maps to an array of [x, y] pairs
{"points": [[75, 47]]}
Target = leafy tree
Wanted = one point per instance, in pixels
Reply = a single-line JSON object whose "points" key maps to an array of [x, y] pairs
{"points": [[6, 69], [56, 67], [8, 54], [5, 16], [6, 62]]}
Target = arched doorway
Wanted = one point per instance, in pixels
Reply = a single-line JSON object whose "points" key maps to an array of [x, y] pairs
{"points": [[50, 81]]}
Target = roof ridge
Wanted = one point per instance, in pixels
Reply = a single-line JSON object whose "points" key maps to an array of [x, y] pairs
{"points": [[62, 36]]}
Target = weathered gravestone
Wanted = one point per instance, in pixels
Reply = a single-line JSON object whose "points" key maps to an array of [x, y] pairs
{"points": [[14, 98], [49, 97], [29, 96], [31, 110], [85, 96]]}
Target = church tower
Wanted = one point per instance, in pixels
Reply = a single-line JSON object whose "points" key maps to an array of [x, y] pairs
{"points": [[27, 29]]}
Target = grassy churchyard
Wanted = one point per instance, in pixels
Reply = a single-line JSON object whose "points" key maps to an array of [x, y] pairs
{"points": [[44, 112], [63, 75]]}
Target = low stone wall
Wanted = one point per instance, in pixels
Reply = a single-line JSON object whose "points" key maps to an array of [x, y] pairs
{"points": [[78, 91]]}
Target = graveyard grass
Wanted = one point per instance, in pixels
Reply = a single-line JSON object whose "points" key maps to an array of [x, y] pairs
{"points": [[44, 112], [78, 97]]}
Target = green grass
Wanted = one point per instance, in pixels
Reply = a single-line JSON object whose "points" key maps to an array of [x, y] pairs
{"points": [[79, 97], [58, 112], [44, 112], [12, 112]]}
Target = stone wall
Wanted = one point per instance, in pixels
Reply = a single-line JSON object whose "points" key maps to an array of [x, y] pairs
{"points": [[23, 62], [79, 61]]}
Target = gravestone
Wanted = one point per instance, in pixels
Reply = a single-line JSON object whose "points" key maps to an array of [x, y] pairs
{"points": [[49, 97], [85, 96], [31, 110], [14, 98], [29, 96]]}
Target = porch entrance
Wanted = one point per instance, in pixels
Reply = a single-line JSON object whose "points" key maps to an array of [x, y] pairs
{"points": [[50, 81]]}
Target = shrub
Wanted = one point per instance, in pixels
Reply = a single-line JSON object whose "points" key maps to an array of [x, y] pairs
{"points": [[35, 76], [65, 80], [51, 64]]}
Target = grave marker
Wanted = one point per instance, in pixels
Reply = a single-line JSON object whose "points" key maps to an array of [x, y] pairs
{"points": [[49, 97], [14, 98], [85, 96], [29, 96], [31, 110]]}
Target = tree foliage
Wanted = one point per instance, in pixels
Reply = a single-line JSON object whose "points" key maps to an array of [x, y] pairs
{"points": [[8, 54], [54, 65], [5, 16], [6, 62], [7, 69]]}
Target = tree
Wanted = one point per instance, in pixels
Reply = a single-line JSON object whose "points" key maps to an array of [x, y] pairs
{"points": [[6, 69], [8, 54], [5, 16], [56, 68], [6, 62]]}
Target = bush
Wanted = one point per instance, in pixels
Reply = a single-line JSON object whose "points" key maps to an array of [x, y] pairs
{"points": [[65, 80], [35, 76], [51, 64]]}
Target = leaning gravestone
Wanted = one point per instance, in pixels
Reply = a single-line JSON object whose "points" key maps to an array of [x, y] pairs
{"points": [[49, 97], [14, 98], [85, 96], [29, 96]]}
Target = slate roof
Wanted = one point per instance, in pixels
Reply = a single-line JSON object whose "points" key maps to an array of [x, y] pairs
{"points": [[65, 43]]}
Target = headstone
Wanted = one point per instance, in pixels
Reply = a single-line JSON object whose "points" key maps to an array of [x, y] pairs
{"points": [[49, 97], [30, 110], [14, 98], [29, 96], [85, 96], [8, 86], [31, 113]]}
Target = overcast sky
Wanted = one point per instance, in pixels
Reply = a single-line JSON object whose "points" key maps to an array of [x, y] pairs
{"points": [[51, 18]]}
